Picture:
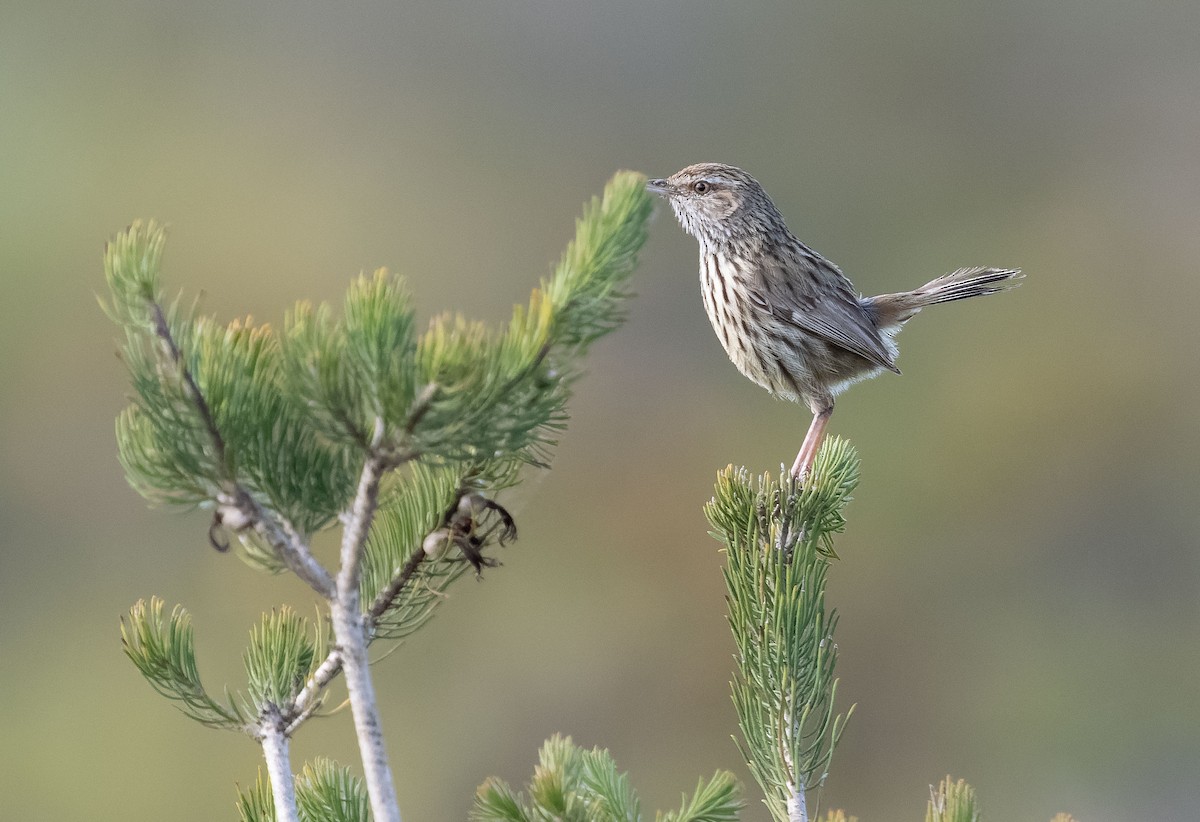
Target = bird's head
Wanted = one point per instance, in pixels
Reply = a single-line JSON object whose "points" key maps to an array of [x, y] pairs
{"points": [[715, 202]]}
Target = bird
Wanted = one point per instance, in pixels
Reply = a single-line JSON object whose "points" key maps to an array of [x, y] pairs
{"points": [[787, 317]]}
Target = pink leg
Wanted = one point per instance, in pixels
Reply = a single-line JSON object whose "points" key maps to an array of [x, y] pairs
{"points": [[812, 444]]}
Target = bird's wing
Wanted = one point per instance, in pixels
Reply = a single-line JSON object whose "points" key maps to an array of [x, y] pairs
{"points": [[832, 312]]}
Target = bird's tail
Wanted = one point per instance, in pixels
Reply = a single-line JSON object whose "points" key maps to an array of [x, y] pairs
{"points": [[894, 309]]}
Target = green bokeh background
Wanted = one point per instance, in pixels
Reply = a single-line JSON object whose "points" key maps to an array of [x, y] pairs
{"points": [[1020, 584]]}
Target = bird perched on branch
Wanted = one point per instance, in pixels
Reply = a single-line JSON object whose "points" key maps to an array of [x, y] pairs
{"points": [[787, 317]]}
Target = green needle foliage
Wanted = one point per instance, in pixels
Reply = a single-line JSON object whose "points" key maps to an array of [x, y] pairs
{"points": [[348, 417], [952, 802], [280, 658], [325, 792], [255, 804], [839, 816], [778, 538], [779, 542], [358, 368], [207, 410], [164, 650], [413, 506], [282, 653], [574, 785], [288, 416]]}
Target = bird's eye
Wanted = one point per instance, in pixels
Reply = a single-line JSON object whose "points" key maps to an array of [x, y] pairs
{"points": [[701, 187]]}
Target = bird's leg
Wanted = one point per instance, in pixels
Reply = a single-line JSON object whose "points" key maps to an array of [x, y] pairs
{"points": [[812, 444]]}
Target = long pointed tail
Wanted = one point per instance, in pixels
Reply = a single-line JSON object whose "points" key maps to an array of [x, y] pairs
{"points": [[893, 309], [967, 282]]}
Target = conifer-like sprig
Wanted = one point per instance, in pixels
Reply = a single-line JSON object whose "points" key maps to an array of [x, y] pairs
{"points": [[356, 371], [590, 284], [279, 659], [239, 417], [208, 425], [778, 541], [839, 816], [285, 434], [570, 783], [189, 466], [411, 507], [325, 792], [163, 649], [255, 803], [952, 801]]}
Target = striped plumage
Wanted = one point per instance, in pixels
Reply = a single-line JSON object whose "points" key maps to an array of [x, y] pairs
{"points": [[787, 317]]}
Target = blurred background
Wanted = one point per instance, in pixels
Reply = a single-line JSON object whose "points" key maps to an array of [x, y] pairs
{"points": [[1020, 584]]}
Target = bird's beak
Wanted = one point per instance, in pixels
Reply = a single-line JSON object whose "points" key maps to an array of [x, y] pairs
{"points": [[660, 187]]}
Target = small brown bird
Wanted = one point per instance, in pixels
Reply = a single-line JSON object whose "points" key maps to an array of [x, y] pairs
{"points": [[788, 318]]}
